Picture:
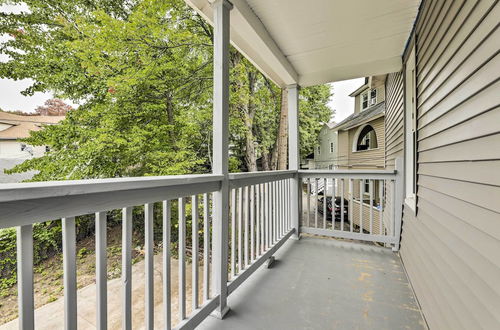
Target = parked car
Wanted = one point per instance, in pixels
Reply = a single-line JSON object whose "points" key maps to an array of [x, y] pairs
{"points": [[329, 206]]}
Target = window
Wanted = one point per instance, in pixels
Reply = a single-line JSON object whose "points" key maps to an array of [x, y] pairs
{"points": [[319, 150], [367, 139], [364, 100], [410, 131], [373, 97], [331, 146], [368, 98], [366, 186]]}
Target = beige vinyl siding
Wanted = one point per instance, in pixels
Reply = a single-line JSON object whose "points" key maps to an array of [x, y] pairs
{"points": [[450, 248], [368, 158]]}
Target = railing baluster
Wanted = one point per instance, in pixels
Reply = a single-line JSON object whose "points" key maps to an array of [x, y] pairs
{"points": [[271, 214], [325, 197], [240, 227], [101, 271], [289, 203], [381, 206], [25, 296], [283, 207], [149, 265], [315, 203], [341, 205], [233, 233], [252, 223], [308, 202], [167, 315], [182, 260], [245, 243], [194, 261], [278, 210], [268, 216], [263, 218], [361, 184], [393, 215], [351, 204], [127, 267], [371, 205], [69, 271], [257, 221], [206, 245]]}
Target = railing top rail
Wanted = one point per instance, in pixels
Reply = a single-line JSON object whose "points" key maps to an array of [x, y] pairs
{"points": [[356, 172], [36, 190], [349, 174], [249, 178]]}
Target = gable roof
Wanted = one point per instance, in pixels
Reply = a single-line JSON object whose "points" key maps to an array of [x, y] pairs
{"points": [[357, 119], [22, 125]]}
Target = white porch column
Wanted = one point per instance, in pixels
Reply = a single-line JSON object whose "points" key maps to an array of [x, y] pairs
{"points": [[221, 152], [294, 156]]}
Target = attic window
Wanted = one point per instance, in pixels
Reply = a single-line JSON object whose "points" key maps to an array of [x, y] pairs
{"points": [[368, 98], [364, 100], [367, 139]]}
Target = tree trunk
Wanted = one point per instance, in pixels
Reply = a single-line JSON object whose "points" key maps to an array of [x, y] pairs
{"points": [[283, 132], [250, 154], [265, 161], [279, 159]]}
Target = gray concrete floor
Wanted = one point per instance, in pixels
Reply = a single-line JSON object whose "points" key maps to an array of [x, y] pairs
{"points": [[319, 283]]}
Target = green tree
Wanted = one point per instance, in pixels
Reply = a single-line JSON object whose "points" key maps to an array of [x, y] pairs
{"points": [[142, 73]]}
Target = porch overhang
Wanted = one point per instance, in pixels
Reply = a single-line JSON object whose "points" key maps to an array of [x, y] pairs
{"points": [[319, 41]]}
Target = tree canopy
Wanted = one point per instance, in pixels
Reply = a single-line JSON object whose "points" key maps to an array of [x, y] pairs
{"points": [[141, 72]]}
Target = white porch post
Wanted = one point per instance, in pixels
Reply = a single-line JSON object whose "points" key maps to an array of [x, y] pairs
{"points": [[220, 152], [294, 156]]}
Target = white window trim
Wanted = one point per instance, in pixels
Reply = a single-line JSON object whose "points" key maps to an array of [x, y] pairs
{"points": [[331, 147], [368, 92], [354, 146]]}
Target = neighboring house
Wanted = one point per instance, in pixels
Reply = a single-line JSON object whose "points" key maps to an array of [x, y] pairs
{"points": [[308, 162], [361, 145], [14, 127], [361, 136], [12, 151], [325, 153]]}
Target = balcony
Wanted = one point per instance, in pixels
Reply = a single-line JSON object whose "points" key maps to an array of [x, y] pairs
{"points": [[334, 276]]}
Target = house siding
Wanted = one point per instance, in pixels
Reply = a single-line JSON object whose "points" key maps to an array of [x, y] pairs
{"points": [[368, 158], [326, 158], [450, 247]]}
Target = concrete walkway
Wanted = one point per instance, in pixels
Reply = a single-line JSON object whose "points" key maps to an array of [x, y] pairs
{"points": [[51, 316]]}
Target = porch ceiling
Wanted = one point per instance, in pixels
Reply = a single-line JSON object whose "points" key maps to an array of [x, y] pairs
{"points": [[318, 41]]}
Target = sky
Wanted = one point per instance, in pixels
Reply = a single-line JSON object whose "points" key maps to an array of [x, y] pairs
{"points": [[11, 98], [341, 102]]}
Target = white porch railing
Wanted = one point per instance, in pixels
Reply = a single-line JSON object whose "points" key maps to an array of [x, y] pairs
{"points": [[259, 224], [260, 221], [353, 204]]}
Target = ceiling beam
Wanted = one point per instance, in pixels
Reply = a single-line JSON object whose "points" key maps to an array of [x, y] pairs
{"points": [[251, 38]]}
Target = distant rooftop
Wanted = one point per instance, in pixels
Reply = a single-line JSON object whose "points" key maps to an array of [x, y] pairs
{"points": [[358, 118], [21, 125]]}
